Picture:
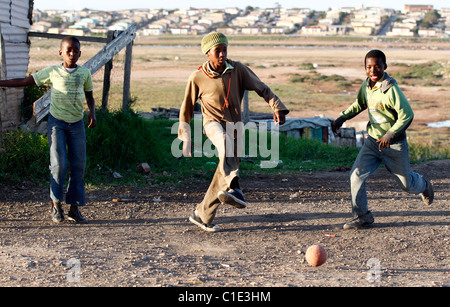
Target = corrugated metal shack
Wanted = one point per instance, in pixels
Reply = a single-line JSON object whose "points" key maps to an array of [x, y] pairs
{"points": [[318, 128], [15, 21]]}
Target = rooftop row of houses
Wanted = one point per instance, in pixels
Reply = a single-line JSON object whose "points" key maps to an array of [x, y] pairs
{"points": [[251, 21], [406, 26]]}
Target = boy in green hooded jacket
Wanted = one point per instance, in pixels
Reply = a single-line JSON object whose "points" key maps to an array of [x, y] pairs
{"points": [[390, 114]]}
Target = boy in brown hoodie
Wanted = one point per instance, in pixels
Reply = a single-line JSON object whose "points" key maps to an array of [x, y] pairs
{"points": [[219, 84]]}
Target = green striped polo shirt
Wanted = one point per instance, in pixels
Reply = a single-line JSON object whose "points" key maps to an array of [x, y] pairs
{"points": [[67, 90]]}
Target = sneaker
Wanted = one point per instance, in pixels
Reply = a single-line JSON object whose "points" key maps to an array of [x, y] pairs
{"points": [[232, 197], [428, 194], [194, 218], [74, 215], [362, 221], [57, 213]]}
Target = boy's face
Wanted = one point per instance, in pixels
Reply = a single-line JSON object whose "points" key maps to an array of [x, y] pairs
{"points": [[70, 52], [375, 69], [218, 55]]}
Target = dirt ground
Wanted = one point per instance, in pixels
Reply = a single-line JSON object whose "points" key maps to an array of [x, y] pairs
{"points": [[142, 236]]}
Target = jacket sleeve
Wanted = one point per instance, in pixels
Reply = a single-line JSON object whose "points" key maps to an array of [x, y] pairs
{"points": [[187, 107], [405, 114], [253, 83], [358, 106]]}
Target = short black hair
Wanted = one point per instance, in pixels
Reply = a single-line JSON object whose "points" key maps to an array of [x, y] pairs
{"points": [[72, 39], [375, 54]]}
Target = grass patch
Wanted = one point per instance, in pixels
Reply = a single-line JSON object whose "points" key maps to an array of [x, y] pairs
{"points": [[431, 73], [123, 139], [26, 156]]}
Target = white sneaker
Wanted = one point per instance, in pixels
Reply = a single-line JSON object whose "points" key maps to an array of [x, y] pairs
{"points": [[195, 219]]}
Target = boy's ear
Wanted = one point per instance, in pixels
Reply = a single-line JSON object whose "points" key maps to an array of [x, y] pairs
{"points": [[385, 66]]}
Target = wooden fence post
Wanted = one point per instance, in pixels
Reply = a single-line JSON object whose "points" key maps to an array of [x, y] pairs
{"points": [[127, 77], [246, 116], [107, 74]]}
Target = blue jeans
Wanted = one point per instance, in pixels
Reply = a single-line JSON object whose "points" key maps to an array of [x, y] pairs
{"points": [[396, 161], [67, 144]]}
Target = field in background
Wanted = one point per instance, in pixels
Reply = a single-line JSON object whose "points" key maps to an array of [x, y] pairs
{"points": [[312, 76]]}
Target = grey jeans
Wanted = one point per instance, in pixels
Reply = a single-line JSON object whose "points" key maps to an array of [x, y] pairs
{"points": [[396, 161]]}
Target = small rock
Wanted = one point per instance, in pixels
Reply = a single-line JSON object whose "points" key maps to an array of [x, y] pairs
{"points": [[143, 168]]}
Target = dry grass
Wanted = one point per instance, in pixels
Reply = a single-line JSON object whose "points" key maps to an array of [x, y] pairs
{"points": [[160, 73]]}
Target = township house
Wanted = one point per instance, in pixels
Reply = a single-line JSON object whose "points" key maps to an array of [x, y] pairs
{"points": [[15, 22]]}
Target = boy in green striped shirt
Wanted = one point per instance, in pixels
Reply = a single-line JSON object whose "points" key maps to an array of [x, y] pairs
{"points": [[71, 84], [390, 114]]}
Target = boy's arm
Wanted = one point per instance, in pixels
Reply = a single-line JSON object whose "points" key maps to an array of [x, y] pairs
{"points": [[186, 113], [92, 120], [405, 116], [187, 107], [357, 107], [253, 83], [19, 82]]}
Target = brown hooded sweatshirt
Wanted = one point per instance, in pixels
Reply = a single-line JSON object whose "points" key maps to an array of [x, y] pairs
{"points": [[213, 89]]}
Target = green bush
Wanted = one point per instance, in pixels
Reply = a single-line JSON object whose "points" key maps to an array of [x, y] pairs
{"points": [[31, 94], [122, 140], [26, 157]]}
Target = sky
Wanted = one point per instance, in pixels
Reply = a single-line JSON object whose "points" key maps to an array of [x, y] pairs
{"points": [[319, 5]]}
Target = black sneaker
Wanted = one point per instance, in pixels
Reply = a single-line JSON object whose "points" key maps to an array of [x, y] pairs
{"points": [[56, 213], [365, 220], [195, 219], [74, 215], [232, 197], [428, 194]]}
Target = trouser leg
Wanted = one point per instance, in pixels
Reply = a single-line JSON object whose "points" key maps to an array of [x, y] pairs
{"points": [[227, 171], [396, 160], [76, 144], [58, 158], [366, 163]]}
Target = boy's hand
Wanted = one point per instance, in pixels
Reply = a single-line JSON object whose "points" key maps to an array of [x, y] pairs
{"points": [[279, 117], [187, 148], [337, 123], [383, 142], [184, 134], [92, 120]]}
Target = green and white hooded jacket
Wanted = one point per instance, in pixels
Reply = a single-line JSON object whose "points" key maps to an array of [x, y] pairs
{"points": [[390, 113]]}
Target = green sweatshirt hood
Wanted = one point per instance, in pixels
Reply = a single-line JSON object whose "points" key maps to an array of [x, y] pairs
{"points": [[386, 82]]}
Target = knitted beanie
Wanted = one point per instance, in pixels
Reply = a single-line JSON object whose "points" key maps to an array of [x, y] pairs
{"points": [[212, 39]]}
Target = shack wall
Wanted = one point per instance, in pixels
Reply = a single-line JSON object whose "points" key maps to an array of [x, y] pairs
{"points": [[15, 22]]}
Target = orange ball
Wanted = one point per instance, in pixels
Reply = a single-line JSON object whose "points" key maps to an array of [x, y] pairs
{"points": [[316, 255]]}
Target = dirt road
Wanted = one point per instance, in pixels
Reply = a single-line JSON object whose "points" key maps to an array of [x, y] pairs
{"points": [[145, 239]]}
